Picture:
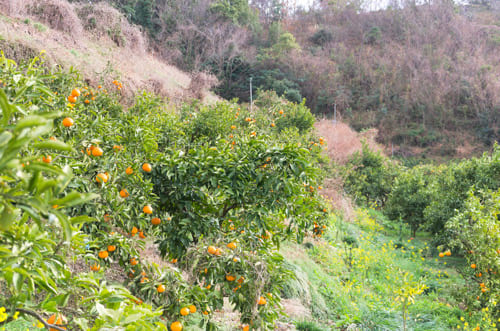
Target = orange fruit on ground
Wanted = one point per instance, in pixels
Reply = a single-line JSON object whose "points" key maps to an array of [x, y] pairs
{"points": [[75, 92], [68, 121], [176, 326], [101, 178], [97, 151], [185, 311], [146, 167], [192, 309], [103, 254], [160, 288], [129, 171], [133, 261], [155, 221], [72, 99], [211, 250], [262, 301], [230, 278], [111, 248], [124, 193], [231, 245], [147, 209], [47, 159]]}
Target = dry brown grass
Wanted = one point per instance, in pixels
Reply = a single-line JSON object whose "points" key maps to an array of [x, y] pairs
{"points": [[98, 41], [343, 141]]}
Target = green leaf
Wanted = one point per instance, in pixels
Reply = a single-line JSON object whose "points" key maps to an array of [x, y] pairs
{"points": [[56, 145]]}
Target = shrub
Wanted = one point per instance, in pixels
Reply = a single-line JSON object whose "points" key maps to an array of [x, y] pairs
{"points": [[475, 231], [409, 196], [368, 176]]}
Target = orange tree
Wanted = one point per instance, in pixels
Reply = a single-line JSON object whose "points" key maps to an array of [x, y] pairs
{"points": [[209, 175], [42, 193]]}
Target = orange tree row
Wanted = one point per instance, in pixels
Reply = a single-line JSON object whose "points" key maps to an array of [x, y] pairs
{"points": [[205, 176]]}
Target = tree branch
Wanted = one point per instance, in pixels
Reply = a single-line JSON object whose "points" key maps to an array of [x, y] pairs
{"points": [[40, 318]]}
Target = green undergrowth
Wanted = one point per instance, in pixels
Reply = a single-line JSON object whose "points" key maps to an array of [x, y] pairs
{"points": [[368, 275]]}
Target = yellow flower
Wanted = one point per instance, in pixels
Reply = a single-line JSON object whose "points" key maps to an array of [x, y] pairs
{"points": [[16, 315]]}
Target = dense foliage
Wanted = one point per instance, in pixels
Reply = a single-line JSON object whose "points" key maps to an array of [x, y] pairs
{"points": [[87, 184]]}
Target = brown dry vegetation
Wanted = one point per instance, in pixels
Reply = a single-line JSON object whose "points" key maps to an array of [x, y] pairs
{"points": [[342, 142], [422, 75], [96, 39]]}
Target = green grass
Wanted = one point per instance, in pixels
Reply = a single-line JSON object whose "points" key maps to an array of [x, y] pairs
{"points": [[19, 325], [360, 284]]}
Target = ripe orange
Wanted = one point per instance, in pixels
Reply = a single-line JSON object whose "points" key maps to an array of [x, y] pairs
{"points": [[230, 278], [101, 178], [273, 125], [192, 309], [124, 193], [111, 248], [155, 221], [281, 112], [160, 288], [68, 121], [208, 286], [231, 245], [441, 254], [233, 127], [212, 250], [133, 261], [473, 266], [103, 254], [147, 209], [47, 159], [75, 92], [262, 301], [97, 151], [87, 101], [146, 167], [246, 328], [72, 99], [56, 319], [176, 326], [174, 261], [129, 171], [205, 312], [134, 230], [447, 253], [185, 311], [141, 235], [218, 252]]}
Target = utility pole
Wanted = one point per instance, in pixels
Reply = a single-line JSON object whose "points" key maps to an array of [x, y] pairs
{"points": [[334, 113], [251, 97]]}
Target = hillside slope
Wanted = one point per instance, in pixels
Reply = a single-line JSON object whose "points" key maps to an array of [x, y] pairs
{"points": [[98, 40]]}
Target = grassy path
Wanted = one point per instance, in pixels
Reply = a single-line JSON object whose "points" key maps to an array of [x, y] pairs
{"points": [[360, 276]]}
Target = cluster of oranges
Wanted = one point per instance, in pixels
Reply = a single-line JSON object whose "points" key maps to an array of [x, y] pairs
{"points": [[75, 93], [118, 85]]}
